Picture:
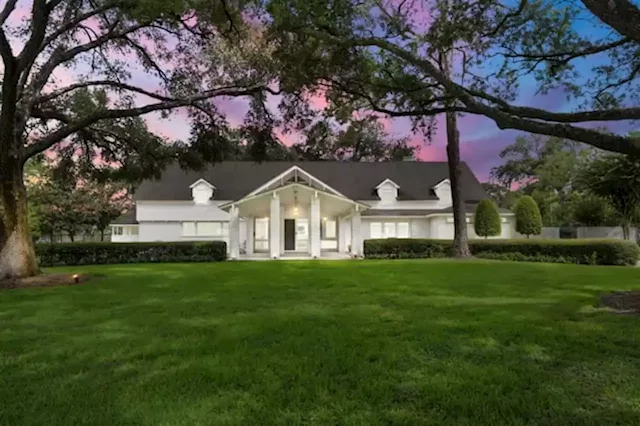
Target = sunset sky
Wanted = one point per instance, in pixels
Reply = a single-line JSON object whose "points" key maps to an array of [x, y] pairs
{"points": [[481, 140]]}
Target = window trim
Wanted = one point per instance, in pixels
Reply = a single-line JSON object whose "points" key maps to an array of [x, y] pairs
{"points": [[383, 228], [323, 225], [224, 229]]}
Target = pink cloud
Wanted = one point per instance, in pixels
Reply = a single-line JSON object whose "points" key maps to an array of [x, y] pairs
{"points": [[318, 100], [288, 138]]}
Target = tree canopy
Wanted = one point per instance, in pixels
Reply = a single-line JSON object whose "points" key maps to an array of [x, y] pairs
{"points": [[383, 55]]}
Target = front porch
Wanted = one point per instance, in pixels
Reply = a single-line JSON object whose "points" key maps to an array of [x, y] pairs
{"points": [[295, 220]]}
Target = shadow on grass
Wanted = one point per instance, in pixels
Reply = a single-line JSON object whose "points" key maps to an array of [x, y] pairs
{"points": [[405, 343]]}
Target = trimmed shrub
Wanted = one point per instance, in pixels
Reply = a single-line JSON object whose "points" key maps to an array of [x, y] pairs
{"points": [[101, 253], [487, 221], [407, 248], [587, 252], [528, 219]]}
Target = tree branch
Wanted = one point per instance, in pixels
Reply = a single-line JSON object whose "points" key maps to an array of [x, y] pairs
{"points": [[39, 20], [5, 51], [69, 25], [621, 15], [570, 117], [504, 120], [73, 127], [59, 57], [565, 57], [6, 10]]}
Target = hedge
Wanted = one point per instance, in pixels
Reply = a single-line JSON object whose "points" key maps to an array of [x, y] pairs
{"points": [[589, 252], [101, 253]]}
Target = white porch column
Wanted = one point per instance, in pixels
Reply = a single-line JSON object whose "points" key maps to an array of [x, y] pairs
{"points": [[274, 226], [314, 225], [342, 235], [234, 233], [250, 231], [356, 234]]}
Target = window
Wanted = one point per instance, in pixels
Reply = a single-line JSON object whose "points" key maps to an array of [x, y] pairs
{"points": [[375, 229], [403, 230], [188, 229], [209, 229], [389, 230], [329, 229], [117, 230], [205, 229], [261, 234]]}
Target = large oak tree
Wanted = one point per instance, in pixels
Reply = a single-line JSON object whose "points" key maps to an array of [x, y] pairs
{"points": [[126, 58]]}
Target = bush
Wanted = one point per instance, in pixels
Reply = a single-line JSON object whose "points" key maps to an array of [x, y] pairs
{"points": [[588, 252], [407, 248], [100, 253], [528, 219], [487, 222]]}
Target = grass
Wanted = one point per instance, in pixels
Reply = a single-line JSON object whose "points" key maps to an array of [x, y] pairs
{"points": [[322, 343]]}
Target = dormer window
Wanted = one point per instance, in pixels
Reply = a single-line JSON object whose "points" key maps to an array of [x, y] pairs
{"points": [[388, 191], [443, 192], [202, 191]]}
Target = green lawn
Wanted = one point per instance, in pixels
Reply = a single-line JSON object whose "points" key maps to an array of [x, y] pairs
{"points": [[322, 343]]}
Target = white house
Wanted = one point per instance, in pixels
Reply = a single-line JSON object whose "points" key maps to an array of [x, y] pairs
{"points": [[310, 209]]}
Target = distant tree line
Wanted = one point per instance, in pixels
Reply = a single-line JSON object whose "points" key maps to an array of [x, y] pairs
{"points": [[573, 184]]}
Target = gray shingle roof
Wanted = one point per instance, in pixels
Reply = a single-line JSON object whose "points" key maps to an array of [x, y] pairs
{"points": [[356, 180], [469, 208]]}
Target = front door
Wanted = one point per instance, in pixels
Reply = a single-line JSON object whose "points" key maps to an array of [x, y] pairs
{"points": [[289, 234]]}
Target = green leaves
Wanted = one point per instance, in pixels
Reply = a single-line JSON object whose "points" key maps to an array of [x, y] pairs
{"points": [[616, 178], [487, 222], [528, 219]]}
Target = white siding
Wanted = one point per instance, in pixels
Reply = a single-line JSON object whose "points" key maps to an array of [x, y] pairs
{"points": [[388, 193], [160, 231], [172, 231], [180, 211], [420, 228], [439, 228], [444, 194], [444, 230]]}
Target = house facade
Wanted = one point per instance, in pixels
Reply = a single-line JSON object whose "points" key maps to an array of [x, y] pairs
{"points": [[307, 209]]}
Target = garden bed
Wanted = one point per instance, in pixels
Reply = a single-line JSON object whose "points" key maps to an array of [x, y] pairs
{"points": [[46, 280], [627, 302]]}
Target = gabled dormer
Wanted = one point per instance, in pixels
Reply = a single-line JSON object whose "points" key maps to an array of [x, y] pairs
{"points": [[443, 192], [388, 191], [202, 191]]}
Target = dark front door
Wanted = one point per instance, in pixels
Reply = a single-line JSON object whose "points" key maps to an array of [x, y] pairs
{"points": [[289, 234]]}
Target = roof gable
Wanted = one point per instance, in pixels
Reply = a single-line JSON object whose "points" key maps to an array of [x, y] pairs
{"points": [[202, 181], [389, 182], [355, 180]]}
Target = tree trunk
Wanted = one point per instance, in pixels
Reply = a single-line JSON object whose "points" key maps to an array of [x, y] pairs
{"points": [[71, 236], [460, 239], [17, 254], [101, 234], [626, 232]]}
